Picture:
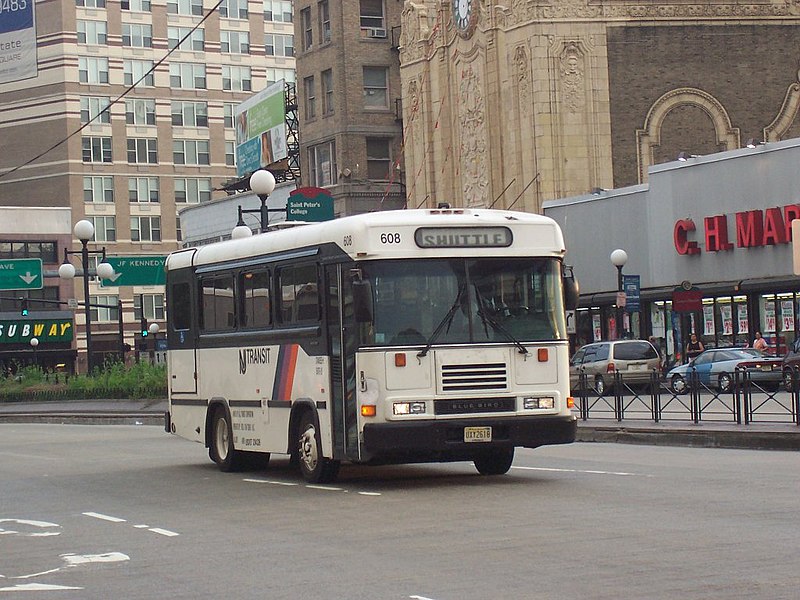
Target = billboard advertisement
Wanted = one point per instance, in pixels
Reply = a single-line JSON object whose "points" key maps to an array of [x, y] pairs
{"points": [[17, 40], [261, 129]]}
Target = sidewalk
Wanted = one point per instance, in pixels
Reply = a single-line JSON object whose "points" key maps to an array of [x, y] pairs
{"points": [[708, 434]]}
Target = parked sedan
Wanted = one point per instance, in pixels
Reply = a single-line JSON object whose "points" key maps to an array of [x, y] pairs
{"points": [[716, 368]]}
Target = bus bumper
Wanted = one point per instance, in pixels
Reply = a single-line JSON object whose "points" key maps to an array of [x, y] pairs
{"points": [[446, 437]]}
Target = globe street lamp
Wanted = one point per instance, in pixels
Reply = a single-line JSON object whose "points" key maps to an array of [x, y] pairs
{"points": [[34, 344], [84, 231], [618, 258], [262, 182], [153, 329]]}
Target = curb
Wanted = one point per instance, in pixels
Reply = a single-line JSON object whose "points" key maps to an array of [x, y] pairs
{"points": [[744, 440], [85, 418]]}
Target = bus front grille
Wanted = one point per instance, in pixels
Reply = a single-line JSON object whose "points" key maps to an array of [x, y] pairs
{"points": [[474, 377]]}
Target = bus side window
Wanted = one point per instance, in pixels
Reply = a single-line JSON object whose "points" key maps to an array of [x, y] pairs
{"points": [[180, 303], [256, 298], [299, 299]]}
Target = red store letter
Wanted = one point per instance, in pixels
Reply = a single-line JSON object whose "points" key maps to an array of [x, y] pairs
{"points": [[681, 238]]}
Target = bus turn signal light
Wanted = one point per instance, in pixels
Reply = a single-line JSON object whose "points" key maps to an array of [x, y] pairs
{"points": [[542, 354], [400, 359], [368, 410], [570, 402]]}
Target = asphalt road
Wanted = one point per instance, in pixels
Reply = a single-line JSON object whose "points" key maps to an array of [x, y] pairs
{"points": [[131, 512]]}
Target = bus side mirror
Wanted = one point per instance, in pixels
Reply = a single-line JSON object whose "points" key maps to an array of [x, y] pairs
{"points": [[362, 300], [571, 289]]}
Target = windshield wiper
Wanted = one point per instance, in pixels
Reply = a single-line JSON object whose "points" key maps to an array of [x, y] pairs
{"points": [[487, 318], [447, 320]]}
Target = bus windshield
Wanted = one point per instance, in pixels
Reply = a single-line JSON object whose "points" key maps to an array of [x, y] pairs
{"points": [[462, 301]]}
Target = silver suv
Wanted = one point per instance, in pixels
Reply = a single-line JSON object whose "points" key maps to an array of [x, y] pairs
{"points": [[635, 360]]}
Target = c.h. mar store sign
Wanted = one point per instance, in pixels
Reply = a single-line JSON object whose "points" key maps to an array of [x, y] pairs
{"points": [[753, 229]]}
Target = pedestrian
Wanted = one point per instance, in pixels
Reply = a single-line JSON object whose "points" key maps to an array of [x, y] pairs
{"points": [[759, 343], [694, 347]]}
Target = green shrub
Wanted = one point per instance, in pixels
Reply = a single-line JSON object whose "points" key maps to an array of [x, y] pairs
{"points": [[115, 381]]}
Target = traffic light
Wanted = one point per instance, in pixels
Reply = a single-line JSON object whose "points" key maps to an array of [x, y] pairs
{"points": [[23, 307], [143, 326]]}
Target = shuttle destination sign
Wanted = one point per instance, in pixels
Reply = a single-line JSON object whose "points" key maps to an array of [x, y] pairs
{"points": [[463, 237]]}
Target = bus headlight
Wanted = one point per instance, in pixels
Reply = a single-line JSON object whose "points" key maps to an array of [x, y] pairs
{"points": [[530, 403], [408, 408]]}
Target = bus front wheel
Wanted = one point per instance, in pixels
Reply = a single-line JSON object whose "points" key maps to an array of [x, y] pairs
{"points": [[220, 448], [314, 467], [495, 462]]}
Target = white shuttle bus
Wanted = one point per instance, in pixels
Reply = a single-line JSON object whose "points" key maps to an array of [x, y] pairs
{"points": [[388, 337]]}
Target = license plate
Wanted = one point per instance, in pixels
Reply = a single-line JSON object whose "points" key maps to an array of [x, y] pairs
{"points": [[477, 434], [766, 367], [637, 367]]}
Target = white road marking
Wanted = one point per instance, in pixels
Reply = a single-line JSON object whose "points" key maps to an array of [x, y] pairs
{"points": [[95, 515], [165, 532], [287, 483], [73, 560], [325, 487], [37, 587], [369, 493], [420, 598], [141, 526], [621, 474], [41, 524]]}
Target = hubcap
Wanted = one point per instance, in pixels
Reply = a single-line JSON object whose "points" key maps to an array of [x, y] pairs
{"points": [[308, 448], [222, 440]]}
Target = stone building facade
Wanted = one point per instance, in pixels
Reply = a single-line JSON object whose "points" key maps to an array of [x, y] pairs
{"points": [[514, 102]]}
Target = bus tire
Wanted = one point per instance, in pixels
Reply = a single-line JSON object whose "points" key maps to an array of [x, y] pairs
{"points": [[495, 462], [314, 467], [220, 447]]}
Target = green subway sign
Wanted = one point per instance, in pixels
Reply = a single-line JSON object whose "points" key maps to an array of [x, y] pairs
{"points": [[21, 331]]}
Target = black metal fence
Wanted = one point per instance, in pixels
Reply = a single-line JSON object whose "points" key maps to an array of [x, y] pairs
{"points": [[746, 401]]}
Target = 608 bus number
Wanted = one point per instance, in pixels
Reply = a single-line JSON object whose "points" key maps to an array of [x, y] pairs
{"points": [[390, 238]]}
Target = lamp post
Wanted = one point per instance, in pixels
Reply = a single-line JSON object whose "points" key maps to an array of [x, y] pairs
{"points": [[34, 344], [618, 258], [262, 182], [84, 231], [153, 329]]}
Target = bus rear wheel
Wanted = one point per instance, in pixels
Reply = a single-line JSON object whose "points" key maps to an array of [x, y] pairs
{"points": [[220, 448], [495, 462], [314, 467]]}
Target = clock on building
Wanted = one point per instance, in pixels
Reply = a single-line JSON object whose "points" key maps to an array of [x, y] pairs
{"points": [[465, 17]]}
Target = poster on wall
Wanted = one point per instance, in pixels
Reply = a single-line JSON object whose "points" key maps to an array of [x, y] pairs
{"points": [[708, 320], [787, 315], [742, 314], [727, 319], [261, 130], [17, 41], [769, 317], [597, 331]]}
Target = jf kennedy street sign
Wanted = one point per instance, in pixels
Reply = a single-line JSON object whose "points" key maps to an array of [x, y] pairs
{"points": [[136, 270], [21, 274]]}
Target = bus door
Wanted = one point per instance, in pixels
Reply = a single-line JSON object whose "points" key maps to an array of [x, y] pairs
{"points": [[181, 341], [342, 344]]}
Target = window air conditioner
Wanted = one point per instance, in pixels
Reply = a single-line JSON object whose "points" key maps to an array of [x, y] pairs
{"points": [[376, 32]]}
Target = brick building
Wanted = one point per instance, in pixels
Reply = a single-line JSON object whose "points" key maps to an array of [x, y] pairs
{"points": [[348, 83]]}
